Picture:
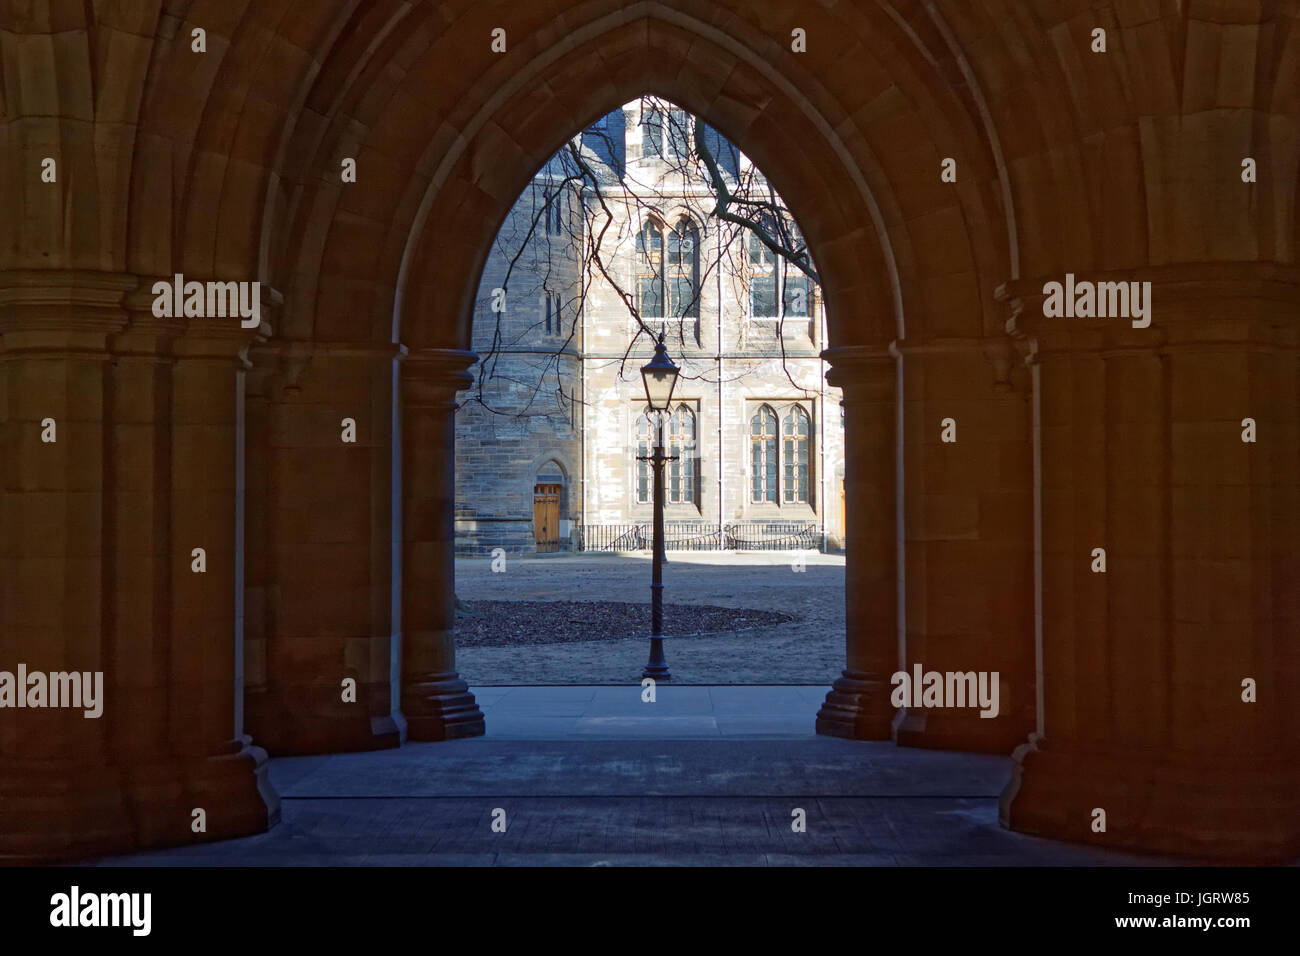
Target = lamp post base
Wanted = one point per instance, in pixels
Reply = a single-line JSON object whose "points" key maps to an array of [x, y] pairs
{"points": [[657, 668]]}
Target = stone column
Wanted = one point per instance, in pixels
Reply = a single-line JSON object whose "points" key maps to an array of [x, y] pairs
{"points": [[858, 704], [207, 762], [60, 790], [96, 536], [968, 539], [325, 534], [1143, 664], [436, 703]]}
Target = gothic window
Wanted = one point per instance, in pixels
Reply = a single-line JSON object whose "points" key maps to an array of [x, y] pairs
{"points": [[762, 433], [555, 214], [684, 270], [553, 326], [650, 270], [683, 474], [777, 287], [666, 133], [644, 446], [794, 453], [779, 462], [796, 291], [681, 477], [678, 135], [762, 280], [652, 132]]}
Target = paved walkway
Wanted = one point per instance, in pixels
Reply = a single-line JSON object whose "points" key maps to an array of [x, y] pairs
{"points": [[808, 650], [589, 776], [586, 712]]}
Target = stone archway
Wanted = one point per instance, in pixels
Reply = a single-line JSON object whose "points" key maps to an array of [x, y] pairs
{"points": [[831, 222], [327, 559]]}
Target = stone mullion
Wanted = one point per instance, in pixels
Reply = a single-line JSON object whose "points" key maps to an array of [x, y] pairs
{"points": [[858, 705], [436, 703]]}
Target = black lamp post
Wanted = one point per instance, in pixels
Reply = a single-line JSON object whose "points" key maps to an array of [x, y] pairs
{"points": [[660, 377]]}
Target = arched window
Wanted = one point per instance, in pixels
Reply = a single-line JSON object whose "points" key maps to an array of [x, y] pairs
{"points": [[684, 270], [644, 446], [796, 291], [762, 433], [777, 287], [652, 132], [783, 480], [554, 213], [650, 270], [683, 473], [554, 313], [794, 452], [679, 134], [762, 280]]}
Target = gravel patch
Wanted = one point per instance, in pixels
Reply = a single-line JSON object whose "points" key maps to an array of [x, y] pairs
{"points": [[512, 623], [807, 649]]}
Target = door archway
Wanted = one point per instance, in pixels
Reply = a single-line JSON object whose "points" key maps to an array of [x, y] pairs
{"points": [[550, 510]]}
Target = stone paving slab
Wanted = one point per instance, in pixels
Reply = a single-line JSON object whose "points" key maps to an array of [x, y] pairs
{"points": [[631, 794], [808, 650], [593, 767], [638, 831], [677, 711]]}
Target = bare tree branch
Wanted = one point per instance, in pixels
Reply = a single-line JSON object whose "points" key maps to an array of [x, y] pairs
{"points": [[747, 208]]}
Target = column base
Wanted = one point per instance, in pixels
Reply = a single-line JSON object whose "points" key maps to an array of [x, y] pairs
{"points": [[857, 707], [938, 729], [440, 707], [281, 725], [57, 811], [1231, 810]]}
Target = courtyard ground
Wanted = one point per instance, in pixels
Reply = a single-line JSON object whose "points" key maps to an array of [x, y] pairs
{"points": [[596, 776], [806, 650]]}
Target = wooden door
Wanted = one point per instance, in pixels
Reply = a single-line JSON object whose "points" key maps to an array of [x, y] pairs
{"points": [[546, 517]]}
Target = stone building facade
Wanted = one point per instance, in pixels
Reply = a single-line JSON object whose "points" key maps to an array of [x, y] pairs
{"points": [[549, 437]]}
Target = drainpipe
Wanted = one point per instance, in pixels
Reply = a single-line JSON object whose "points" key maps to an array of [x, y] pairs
{"points": [[582, 374], [821, 418], [722, 458]]}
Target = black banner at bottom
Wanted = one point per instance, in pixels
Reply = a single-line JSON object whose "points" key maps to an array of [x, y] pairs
{"points": [[328, 906]]}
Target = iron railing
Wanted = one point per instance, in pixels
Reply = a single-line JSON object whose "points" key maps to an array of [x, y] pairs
{"points": [[702, 536]]}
